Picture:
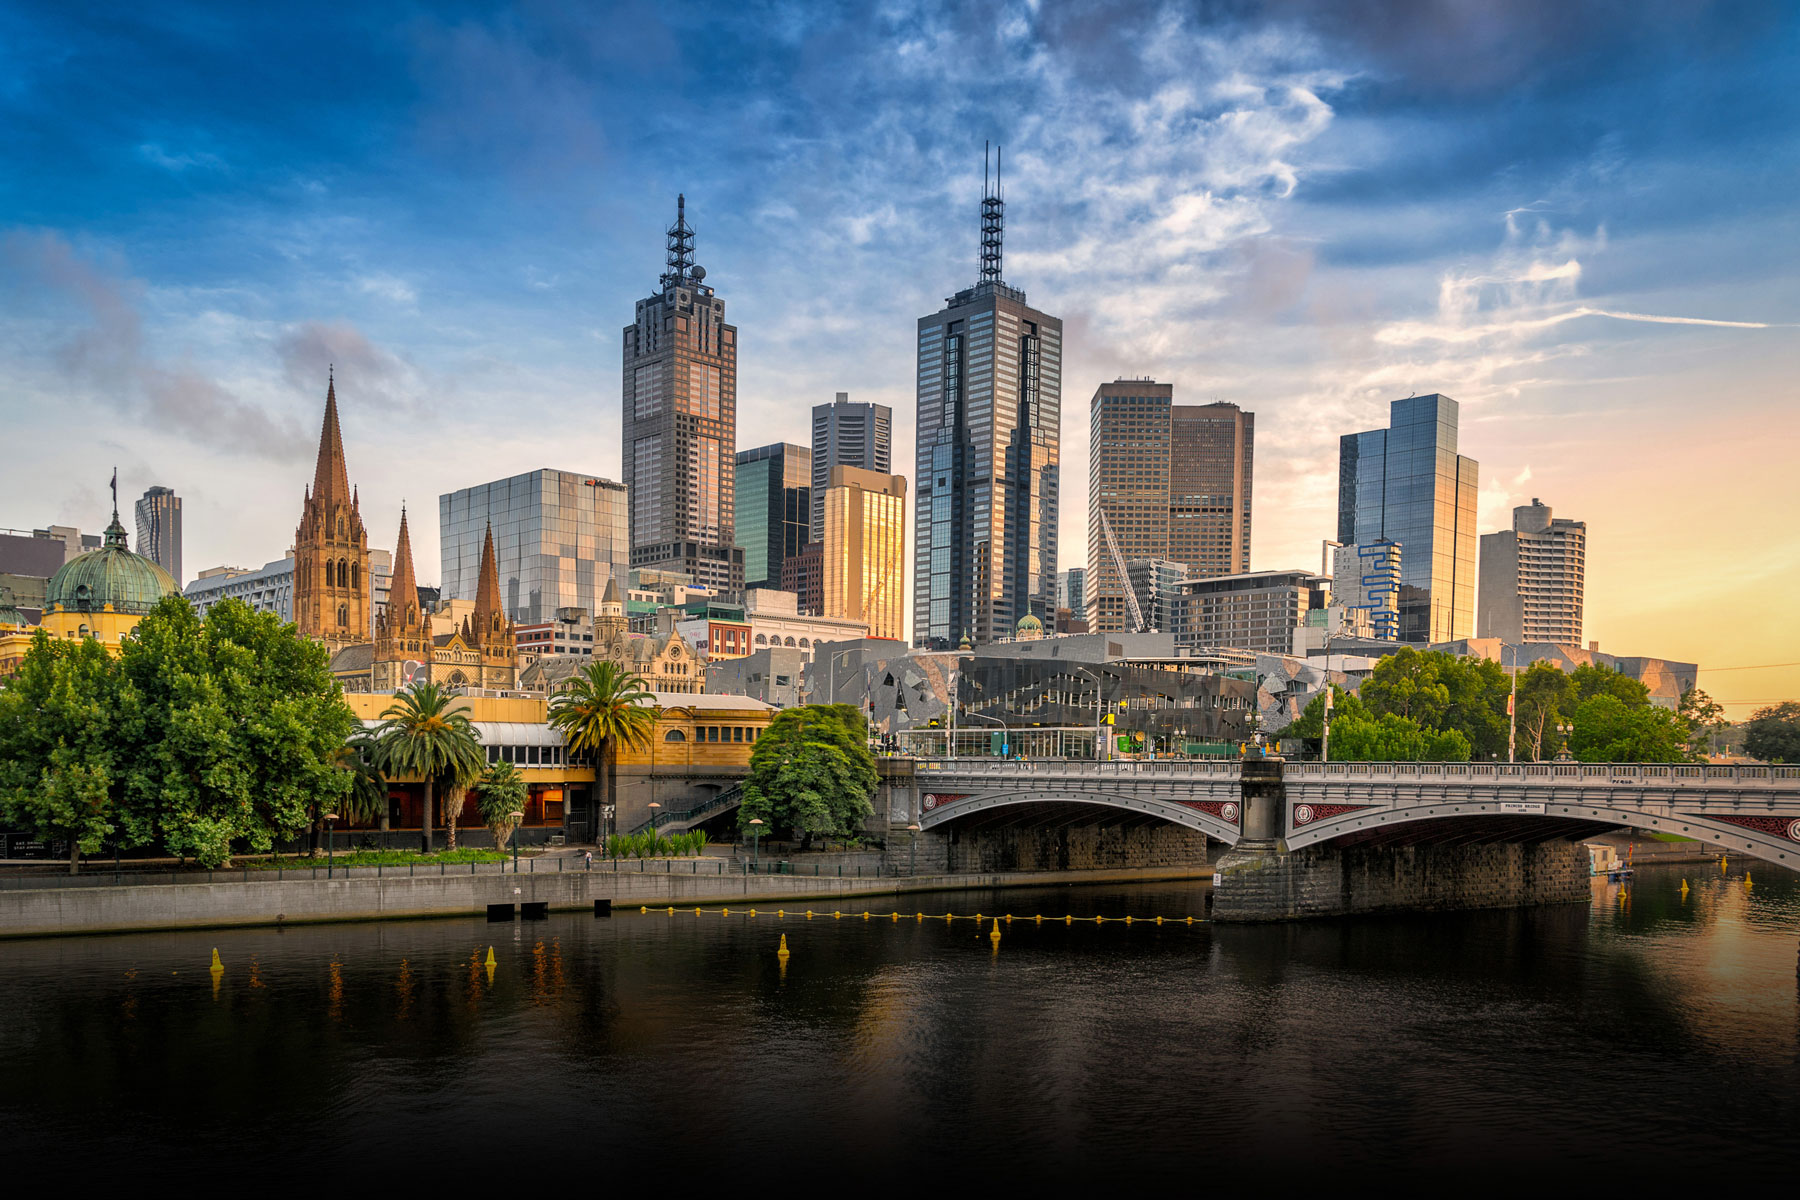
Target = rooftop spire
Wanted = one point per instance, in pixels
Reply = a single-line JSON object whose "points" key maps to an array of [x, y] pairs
{"points": [[993, 218], [487, 587], [331, 478], [403, 589], [115, 533]]}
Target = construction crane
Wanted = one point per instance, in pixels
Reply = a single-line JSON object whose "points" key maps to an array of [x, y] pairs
{"points": [[1131, 601]]}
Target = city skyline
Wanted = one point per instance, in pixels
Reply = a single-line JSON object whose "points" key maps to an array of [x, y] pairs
{"points": [[1266, 258]]}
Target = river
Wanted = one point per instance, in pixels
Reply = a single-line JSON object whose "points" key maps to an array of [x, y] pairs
{"points": [[1651, 1036]]}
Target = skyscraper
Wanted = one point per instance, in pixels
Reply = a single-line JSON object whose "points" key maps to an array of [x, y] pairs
{"points": [[559, 537], [680, 415], [159, 529], [775, 499], [1174, 481], [847, 435], [1532, 578], [1407, 484], [989, 433], [864, 549]]}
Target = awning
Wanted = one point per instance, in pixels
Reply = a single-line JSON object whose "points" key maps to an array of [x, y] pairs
{"points": [[506, 733]]}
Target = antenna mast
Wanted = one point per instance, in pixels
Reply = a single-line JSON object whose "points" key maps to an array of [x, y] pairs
{"points": [[993, 218], [681, 247]]}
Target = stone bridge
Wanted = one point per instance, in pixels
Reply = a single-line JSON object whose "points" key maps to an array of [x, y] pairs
{"points": [[1345, 837]]}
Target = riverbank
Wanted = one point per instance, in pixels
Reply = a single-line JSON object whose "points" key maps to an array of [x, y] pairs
{"points": [[134, 908]]}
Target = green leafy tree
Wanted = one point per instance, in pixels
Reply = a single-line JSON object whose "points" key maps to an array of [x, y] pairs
{"points": [[1773, 734], [1607, 729], [1704, 717], [1360, 735], [360, 759], [1598, 679], [426, 734], [227, 732], [501, 792], [1406, 683], [57, 764], [1439, 691], [600, 710], [1546, 696], [811, 774]]}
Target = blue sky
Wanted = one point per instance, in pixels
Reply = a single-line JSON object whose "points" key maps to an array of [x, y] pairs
{"points": [[1307, 208]]}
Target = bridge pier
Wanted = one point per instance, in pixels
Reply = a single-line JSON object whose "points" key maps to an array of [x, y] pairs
{"points": [[1261, 879]]}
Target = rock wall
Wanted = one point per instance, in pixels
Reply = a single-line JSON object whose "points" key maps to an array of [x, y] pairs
{"points": [[1255, 884]]}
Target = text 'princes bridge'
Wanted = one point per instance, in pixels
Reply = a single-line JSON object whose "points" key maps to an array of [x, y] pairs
{"points": [[1318, 839]]}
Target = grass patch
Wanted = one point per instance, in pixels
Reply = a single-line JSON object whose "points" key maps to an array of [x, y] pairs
{"points": [[381, 858], [1670, 837]]}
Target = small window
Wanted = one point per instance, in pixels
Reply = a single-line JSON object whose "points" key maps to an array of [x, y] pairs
{"points": [[737, 733], [675, 735]]}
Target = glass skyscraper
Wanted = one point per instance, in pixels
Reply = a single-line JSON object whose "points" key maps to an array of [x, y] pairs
{"points": [[559, 536], [989, 434], [159, 530], [1407, 484], [847, 434], [774, 508]]}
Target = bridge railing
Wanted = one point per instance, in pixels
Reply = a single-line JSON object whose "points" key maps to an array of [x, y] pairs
{"points": [[1646, 774]]}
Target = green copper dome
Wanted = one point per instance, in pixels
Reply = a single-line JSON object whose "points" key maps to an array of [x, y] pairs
{"points": [[10, 617], [1030, 624], [111, 575]]}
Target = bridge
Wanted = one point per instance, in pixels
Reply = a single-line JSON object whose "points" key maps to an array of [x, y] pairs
{"points": [[1320, 826]]}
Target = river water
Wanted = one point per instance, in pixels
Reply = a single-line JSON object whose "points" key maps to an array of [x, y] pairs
{"points": [[1647, 1038]]}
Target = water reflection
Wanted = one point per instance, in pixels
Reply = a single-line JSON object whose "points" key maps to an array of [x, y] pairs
{"points": [[1653, 1031]]}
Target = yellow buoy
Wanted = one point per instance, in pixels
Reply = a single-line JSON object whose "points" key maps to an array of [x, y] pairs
{"points": [[725, 911], [783, 952], [1747, 881], [671, 910], [782, 912], [216, 964], [994, 937], [1068, 920], [643, 908], [809, 914], [1128, 918], [865, 914], [1159, 920], [753, 912], [1190, 919], [489, 964]]}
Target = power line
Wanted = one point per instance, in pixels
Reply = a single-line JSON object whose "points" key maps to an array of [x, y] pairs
{"points": [[1756, 667]]}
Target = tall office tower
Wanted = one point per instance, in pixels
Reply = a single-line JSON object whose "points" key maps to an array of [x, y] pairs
{"points": [[559, 538], [1071, 592], [1532, 577], [1407, 484], [159, 530], [1174, 481], [864, 549], [775, 502], [846, 435], [331, 547], [989, 430], [680, 412]]}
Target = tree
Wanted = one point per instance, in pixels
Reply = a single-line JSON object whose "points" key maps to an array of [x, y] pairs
{"points": [[1598, 679], [56, 755], [1773, 734], [1607, 729], [1406, 684], [1359, 735], [425, 734], [367, 795], [811, 773], [225, 733], [1546, 696], [456, 783], [600, 710], [501, 792], [1703, 715], [1439, 691]]}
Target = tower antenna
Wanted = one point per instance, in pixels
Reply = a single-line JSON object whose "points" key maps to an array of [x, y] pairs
{"points": [[993, 218], [681, 247]]}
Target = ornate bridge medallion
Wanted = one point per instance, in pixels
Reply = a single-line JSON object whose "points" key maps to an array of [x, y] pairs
{"points": [[933, 800], [1306, 814], [1781, 827], [1224, 810]]}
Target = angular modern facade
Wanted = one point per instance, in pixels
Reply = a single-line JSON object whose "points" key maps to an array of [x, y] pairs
{"points": [[159, 529], [680, 417], [989, 434], [1407, 484], [1532, 578], [864, 549], [559, 539], [775, 498], [1257, 611], [847, 435], [1174, 482]]}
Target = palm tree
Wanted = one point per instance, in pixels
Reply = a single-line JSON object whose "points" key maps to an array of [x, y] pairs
{"points": [[424, 736], [503, 793], [360, 758], [601, 709]]}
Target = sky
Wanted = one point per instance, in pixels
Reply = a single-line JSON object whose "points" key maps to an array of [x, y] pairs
{"points": [[1577, 219]]}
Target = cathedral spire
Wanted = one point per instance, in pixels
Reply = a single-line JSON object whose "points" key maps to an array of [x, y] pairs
{"points": [[331, 478], [487, 589], [403, 590]]}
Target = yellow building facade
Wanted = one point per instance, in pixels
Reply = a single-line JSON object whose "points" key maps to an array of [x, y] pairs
{"points": [[864, 551]]}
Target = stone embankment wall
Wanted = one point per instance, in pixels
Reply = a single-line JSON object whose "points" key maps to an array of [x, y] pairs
{"points": [[1075, 848], [44, 912], [1323, 881]]}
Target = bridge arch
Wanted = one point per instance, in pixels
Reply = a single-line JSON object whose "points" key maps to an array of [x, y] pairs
{"points": [[1216, 827], [1775, 839]]}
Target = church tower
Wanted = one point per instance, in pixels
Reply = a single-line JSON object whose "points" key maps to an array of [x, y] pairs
{"points": [[331, 548], [490, 632], [610, 624], [403, 633]]}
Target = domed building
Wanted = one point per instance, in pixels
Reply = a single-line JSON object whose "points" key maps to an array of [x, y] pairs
{"points": [[1029, 629], [15, 634], [106, 592]]}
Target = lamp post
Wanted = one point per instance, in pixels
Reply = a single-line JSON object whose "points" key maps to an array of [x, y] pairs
{"points": [[912, 867], [756, 844], [1099, 705], [995, 720], [655, 813], [330, 841], [1564, 731], [518, 819]]}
